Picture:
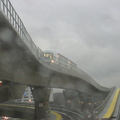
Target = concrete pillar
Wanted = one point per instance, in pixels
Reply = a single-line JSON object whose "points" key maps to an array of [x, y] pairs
{"points": [[9, 91], [4, 93], [41, 99]]}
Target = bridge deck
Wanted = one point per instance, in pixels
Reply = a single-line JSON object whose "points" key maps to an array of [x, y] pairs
{"points": [[37, 73], [70, 75]]}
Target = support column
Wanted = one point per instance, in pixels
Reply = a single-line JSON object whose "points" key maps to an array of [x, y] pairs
{"points": [[41, 99]]}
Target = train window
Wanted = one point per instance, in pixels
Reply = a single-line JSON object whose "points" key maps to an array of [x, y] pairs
{"points": [[48, 56]]}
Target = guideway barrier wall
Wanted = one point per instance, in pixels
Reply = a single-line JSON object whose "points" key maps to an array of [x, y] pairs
{"points": [[99, 108], [112, 106]]}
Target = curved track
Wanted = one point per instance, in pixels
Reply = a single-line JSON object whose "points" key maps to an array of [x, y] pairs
{"points": [[67, 114]]}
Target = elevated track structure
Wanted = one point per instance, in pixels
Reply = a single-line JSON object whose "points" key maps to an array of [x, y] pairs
{"points": [[22, 64]]}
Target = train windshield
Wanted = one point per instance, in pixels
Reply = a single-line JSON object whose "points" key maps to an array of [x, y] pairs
{"points": [[48, 56]]}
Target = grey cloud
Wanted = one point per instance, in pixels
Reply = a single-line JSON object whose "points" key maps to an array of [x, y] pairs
{"points": [[87, 32]]}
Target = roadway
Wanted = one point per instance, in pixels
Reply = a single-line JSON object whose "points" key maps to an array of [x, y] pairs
{"points": [[22, 110], [26, 111]]}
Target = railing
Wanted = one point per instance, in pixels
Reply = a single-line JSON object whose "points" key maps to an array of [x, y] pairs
{"points": [[11, 15], [13, 18]]}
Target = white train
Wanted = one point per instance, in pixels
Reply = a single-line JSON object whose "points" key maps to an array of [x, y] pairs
{"points": [[54, 57]]}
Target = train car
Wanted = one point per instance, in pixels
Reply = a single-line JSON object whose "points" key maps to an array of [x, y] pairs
{"points": [[54, 57], [49, 56]]}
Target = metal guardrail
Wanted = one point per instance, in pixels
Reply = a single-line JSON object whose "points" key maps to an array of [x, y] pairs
{"points": [[13, 18], [11, 15]]}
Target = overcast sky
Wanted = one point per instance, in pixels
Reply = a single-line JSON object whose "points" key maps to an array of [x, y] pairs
{"points": [[85, 31]]}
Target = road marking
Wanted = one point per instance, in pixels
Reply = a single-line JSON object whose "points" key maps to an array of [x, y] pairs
{"points": [[57, 115], [112, 105], [12, 105]]}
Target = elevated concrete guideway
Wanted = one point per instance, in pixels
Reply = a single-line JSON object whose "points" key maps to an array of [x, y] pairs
{"points": [[22, 64]]}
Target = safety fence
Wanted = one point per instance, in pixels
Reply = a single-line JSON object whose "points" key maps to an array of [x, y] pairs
{"points": [[8, 11]]}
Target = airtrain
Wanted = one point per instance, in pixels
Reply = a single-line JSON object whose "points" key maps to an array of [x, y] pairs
{"points": [[54, 57]]}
